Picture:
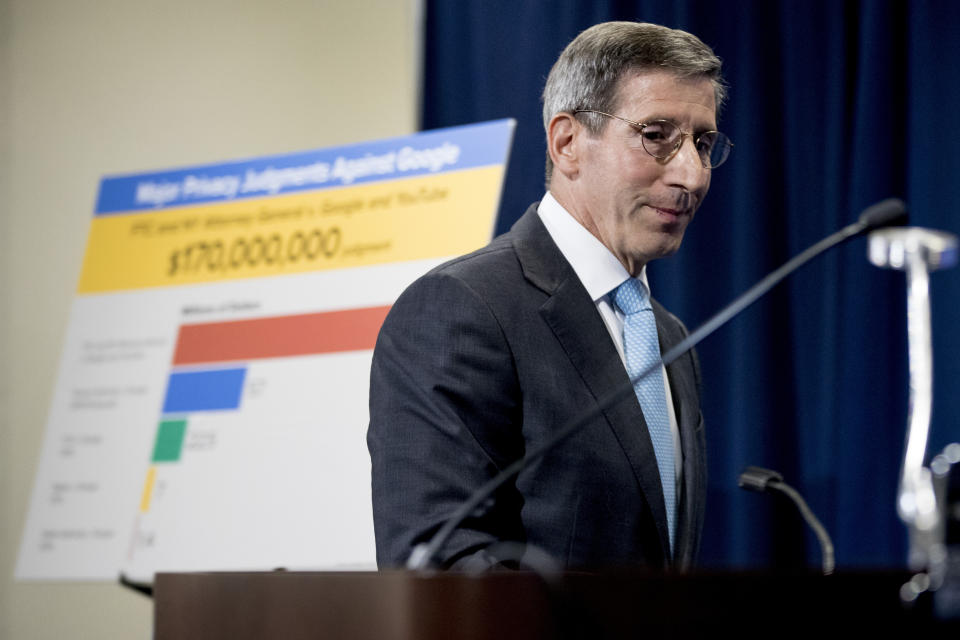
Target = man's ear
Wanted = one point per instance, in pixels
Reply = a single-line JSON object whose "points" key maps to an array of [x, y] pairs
{"points": [[562, 134]]}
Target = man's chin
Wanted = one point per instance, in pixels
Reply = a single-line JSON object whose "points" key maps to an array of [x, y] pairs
{"points": [[668, 246], [648, 254]]}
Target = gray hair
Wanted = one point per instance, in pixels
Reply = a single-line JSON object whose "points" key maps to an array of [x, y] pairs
{"points": [[587, 74]]}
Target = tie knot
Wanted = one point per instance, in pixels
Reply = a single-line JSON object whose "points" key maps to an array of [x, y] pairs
{"points": [[631, 297]]}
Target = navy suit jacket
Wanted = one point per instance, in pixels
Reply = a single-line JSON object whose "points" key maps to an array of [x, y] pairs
{"points": [[484, 358]]}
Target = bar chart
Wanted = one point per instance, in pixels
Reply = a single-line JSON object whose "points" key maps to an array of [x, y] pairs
{"points": [[238, 394]]}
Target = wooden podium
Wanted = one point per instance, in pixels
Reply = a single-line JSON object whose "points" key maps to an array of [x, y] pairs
{"points": [[506, 605]]}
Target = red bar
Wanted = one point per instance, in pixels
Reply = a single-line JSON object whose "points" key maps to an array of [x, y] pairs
{"points": [[310, 333]]}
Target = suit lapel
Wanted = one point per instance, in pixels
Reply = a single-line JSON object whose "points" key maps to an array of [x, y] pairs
{"points": [[573, 317], [684, 394]]}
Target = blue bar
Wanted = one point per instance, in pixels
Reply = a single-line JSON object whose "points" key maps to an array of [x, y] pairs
{"points": [[215, 390], [430, 152]]}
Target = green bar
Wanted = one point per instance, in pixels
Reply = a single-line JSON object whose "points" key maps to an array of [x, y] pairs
{"points": [[169, 441]]}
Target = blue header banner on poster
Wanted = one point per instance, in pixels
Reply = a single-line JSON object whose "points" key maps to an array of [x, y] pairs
{"points": [[441, 150]]}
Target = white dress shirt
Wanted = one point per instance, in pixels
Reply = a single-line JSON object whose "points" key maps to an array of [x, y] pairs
{"points": [[601, 272]]}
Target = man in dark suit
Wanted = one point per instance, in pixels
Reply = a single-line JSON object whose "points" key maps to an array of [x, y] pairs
{"points": [[487, 356]]}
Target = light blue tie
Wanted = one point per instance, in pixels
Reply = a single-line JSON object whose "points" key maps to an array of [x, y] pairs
{"points": [[642, 350]]}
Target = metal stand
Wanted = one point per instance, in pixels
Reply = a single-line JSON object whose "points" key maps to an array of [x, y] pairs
{"points": [[918, 252]]}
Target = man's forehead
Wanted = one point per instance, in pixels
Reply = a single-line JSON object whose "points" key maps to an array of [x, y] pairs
{"points": [[652, 86]]}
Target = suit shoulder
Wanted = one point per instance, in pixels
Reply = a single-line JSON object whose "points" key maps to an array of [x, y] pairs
{"points": [[499, 252], [482, 271]]}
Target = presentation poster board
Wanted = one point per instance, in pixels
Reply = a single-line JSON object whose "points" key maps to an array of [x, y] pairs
{"points": [[210, 410]]}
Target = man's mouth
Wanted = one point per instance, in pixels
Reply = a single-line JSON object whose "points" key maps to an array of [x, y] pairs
{"points": [[670, 213], [672, 209]]}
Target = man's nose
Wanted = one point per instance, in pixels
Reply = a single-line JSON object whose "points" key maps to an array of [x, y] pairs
{"points": [[686, 169]]}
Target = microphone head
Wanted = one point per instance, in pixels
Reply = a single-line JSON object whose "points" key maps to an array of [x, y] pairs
{"points": [[886, 213], [758, 478]]}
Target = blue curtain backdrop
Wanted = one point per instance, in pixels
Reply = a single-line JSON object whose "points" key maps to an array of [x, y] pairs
{"points": [[834, 105]]}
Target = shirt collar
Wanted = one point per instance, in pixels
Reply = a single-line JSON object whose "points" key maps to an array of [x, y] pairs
{"points": [[598, 269]]}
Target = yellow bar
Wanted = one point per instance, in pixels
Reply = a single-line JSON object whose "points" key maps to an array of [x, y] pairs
{"points": [[148, 490], [410, 219]]}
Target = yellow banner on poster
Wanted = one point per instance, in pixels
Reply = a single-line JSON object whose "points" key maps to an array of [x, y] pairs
{"points": [[397, 220]]}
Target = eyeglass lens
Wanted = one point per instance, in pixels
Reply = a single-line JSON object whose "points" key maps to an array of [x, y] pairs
{"points": [[661, 139]]}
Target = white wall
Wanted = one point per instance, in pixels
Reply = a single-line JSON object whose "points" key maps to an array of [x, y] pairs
{"points": [[94, 87]]}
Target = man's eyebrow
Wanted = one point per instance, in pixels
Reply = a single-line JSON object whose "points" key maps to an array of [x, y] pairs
{"points": [[697, 128], [668, 116]]}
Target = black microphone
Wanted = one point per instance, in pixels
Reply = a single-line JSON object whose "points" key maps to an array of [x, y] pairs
{"points": [[763, 480], [891, 212], [884, 213]]}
